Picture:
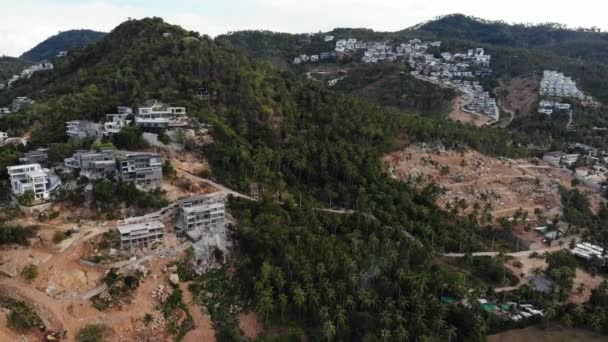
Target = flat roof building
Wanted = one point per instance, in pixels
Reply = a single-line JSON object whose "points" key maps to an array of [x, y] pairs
{"points": [[142, 231], [32, 177], [144, 169], [81, 129], [115, 122], [93, 164], [38, 156], [200, 215], [159, 116]]}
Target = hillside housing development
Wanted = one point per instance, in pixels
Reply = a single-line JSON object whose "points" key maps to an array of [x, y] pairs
{"points": [[457, 71], [27, 73], [144, 169]]}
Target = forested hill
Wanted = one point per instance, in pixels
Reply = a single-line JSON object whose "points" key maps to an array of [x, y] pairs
{"points": [[297, 140], [62, 41], [10, 66], [589, 44]]}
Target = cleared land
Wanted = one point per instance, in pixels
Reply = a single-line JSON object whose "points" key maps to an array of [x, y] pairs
{"points": [[538, 334], [519, 95], [502, 185], [459, 115]]}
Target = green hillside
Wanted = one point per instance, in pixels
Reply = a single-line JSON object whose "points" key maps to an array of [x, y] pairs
{"points": [[63, 41], [10, 66], [299, 140]]}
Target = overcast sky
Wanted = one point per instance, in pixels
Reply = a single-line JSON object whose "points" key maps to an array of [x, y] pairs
{"points": [[24, 23]]}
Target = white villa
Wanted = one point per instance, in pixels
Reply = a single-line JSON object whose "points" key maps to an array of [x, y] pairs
{"points": [[115, 122], [158, 116], [32, 177]]}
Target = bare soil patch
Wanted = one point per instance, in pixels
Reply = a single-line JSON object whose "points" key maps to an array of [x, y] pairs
{"points": [[519, 95], [251, 325], [459, 115], [537, 334], [501, 185]]}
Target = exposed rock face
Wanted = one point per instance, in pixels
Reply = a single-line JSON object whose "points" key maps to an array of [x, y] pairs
{"points": [[174, 279]]}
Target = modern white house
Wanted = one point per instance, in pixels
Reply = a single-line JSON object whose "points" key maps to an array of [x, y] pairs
{"points": [[32, 177], [140, 231], [115, 122], [158, 116]]}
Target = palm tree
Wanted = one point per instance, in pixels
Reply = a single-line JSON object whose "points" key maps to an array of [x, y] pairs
{"points": [[385, 335], [299, 297], [329, 330], [401, 334], [283, 303], [340, 316], [451, 333]]}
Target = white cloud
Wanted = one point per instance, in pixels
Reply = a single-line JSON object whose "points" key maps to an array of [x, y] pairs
{"points": [[31, 21]]}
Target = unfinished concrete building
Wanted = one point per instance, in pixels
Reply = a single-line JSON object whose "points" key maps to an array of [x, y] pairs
{"points": [[37, 156], [143, 169], [200, 215], [81, 129], [93, 164], [140, 232]]}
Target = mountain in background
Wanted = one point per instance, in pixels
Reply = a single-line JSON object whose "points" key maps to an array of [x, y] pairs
{"points": [[61, 42]]}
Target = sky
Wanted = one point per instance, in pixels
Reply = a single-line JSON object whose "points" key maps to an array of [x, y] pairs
{"points": [[25, 23]]}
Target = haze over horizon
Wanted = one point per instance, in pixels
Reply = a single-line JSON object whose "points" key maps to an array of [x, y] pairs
{"points": [[32, 21]]}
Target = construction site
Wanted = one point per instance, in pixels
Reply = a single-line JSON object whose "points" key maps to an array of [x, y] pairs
{"points": [[84, 277], [498, 186]]}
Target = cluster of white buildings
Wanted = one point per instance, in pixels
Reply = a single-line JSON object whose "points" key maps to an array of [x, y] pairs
{"points": [[27, 73], [383, 51], [457, 71], [154, 116], [588, 251], [477, 100], [555, 84]]}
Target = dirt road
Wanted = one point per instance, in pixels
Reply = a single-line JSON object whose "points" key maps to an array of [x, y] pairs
{"points": [[513, 254]]}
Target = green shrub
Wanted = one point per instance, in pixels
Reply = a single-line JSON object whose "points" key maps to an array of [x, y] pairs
{"points": [[53, 215], [29, 272], [59, 236]]}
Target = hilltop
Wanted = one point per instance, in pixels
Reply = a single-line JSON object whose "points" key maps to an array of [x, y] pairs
{"points": [[62, 41]]}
